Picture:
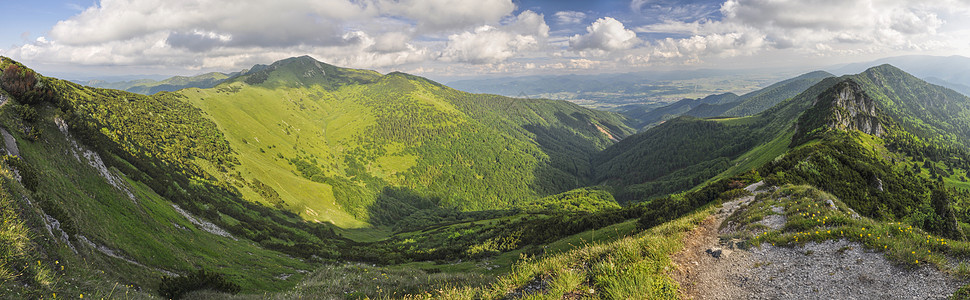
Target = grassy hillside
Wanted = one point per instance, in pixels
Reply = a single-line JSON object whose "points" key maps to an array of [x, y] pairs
{"points": [[686, 152], [261, 179], [245, 180], [890, 145], [354, 143], [79, 225]]}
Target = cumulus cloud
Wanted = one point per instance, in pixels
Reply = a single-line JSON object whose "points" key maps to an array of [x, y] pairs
{"points": [[391, 42], [694, 48], [448, 14], [490, 45], [489, 35], [220, 33], [570, 17], [249, 22], [884, 23], [814, 26], [606, 34]]}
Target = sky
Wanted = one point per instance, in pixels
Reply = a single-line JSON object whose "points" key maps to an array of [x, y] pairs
{"points": [[444, 39]]}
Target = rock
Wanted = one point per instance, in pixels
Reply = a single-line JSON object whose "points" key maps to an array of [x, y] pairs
{"points": [[831, 204], [715, 252]]}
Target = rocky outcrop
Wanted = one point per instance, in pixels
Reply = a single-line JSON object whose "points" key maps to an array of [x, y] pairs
{"points": [[203, 224], [852, 109]]}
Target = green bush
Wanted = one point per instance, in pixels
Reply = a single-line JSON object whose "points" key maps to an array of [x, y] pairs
{"points": [[176, 287]]}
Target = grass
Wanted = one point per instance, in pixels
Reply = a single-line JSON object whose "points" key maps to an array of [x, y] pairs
{"points": [[594, 236], [365, 234], [631, 267], [146, 230], [250, 118], [360, 281], [754, 158], [735, 121], [17, 250]]}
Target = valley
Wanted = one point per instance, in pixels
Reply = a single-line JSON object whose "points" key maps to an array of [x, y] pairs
{"points": [[301, 179]]}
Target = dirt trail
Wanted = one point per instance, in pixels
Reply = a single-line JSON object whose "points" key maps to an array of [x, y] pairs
{"points": [[709, 268], [697, 268]]}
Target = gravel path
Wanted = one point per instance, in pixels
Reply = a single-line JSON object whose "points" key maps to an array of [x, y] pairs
{"points": [[828, 270]]}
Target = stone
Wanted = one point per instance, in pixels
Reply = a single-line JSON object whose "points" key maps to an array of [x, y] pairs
{"points": [[715, 252]]}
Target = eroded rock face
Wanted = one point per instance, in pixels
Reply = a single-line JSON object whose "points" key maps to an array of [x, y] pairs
{"points": [[852, 109]]}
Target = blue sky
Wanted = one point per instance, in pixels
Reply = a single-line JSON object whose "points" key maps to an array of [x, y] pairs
{"points": [[26, 20], [460, 38]]}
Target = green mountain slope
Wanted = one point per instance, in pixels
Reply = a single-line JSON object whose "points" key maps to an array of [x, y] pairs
{"points": [[890, 145], [150, 87], [107, 216], [685, 152], [232, 178], [728, 105], [349, 137]]}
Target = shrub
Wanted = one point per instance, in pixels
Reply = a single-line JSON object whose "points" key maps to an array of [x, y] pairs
{"points": [[176, 287]]}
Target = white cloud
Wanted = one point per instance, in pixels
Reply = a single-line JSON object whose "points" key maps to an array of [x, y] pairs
{"points": [[694, 48], [841, 24], [391, 42], [249, 22], [491, 45], [437, 15], [194, 34], [529, 23], [606, 34], [822, 27], [487, 35], [570, 17]]}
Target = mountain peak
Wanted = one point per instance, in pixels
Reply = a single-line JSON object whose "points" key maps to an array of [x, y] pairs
{"points": [[306, 71], [305, 60]]}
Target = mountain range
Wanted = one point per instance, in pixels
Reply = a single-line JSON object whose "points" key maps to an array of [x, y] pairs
{"points": [[272, 179]]}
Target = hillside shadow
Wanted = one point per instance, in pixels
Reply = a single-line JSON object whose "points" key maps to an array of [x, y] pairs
{"points": [[393, 204], [569, 154]]}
